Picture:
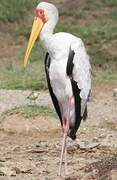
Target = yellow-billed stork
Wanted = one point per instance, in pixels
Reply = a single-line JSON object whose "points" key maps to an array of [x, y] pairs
{"points": [[68, 70]]}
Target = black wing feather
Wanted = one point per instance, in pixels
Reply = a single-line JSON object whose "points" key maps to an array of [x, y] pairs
{"points": [[70, 64], [77, 98], [53, 97]]}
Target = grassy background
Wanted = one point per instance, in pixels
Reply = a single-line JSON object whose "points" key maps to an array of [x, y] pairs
{"points": [[15, 10], [30, 111], [92, 21]]}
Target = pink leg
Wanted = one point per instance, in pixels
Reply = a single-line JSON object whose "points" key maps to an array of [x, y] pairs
{"points": [[66, 121], [65, 129]]}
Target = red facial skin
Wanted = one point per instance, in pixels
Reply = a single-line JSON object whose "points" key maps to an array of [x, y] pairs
{"points": [[41, 15]]}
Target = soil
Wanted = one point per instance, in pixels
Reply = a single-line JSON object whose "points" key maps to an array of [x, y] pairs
{"points": [[30, 147]]}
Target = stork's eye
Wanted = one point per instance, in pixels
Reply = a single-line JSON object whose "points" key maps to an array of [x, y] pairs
{"points": [[41, 12]]}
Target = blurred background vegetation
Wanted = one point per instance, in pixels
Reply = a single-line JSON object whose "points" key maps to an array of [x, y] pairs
{"points": [[15, 10], [95, 22]]}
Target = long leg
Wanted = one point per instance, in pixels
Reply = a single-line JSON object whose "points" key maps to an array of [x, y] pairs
{"points": [[65, 129], [66, 160], [62, 153]]}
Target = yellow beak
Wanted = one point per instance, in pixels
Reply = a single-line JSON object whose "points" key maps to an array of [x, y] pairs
{"points": [[36, 29]]}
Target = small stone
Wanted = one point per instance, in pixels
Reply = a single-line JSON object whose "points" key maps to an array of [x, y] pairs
{"points": [[87, 146], [20, 168], [5, 171], [102, 135], [114, 174], [95, 139], [93, 145], [115, 92], [2, 159]]}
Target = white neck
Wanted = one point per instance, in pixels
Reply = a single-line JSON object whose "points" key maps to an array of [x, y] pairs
{"points": [[47, 33]]}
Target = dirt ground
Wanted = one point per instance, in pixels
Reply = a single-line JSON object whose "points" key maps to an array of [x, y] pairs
{"points": [[30, 147]]}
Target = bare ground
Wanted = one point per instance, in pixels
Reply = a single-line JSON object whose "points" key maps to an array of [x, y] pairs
{"points": [[30, 147]]}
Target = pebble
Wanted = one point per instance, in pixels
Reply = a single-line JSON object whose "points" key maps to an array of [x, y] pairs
{"points": [[115, 92], [86, 145], [5, 171], [2, 159], [102, 135], [114, 174], [95, 139]]}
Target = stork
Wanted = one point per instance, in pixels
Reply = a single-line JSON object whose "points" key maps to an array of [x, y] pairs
{"points": [[68, 71]]}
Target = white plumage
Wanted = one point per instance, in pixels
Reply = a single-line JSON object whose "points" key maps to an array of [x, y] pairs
{"points": [[58, 49]]}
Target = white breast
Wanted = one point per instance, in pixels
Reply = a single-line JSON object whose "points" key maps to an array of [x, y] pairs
{"points": [[60, 82]]}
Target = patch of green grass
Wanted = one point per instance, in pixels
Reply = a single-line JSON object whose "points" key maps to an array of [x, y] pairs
{"points": [[111, 3], [37, 54], [93, 127], [112, 14], [30, 111], [66, 13], [15, 10], [105, 75], [14, 76], [98, 32], [24, 30]]}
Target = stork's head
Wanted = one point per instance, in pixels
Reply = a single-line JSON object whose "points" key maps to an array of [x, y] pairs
{"points": [[45, 12]]}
